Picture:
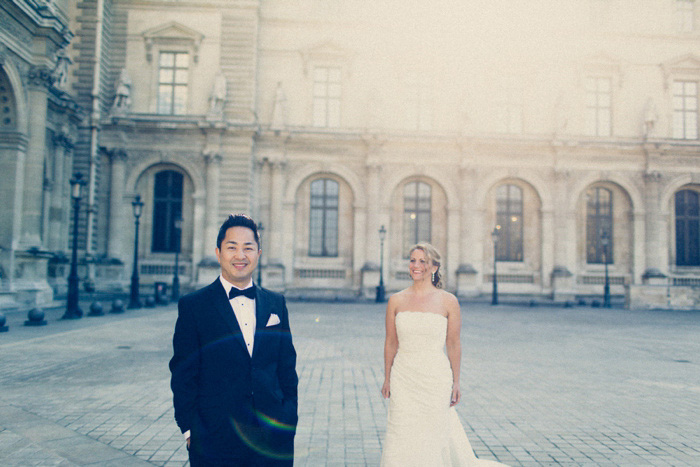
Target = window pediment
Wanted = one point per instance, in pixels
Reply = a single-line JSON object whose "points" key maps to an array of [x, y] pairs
{"points": [[687, 66], [605, 65], [172, 34], [325, 53]]}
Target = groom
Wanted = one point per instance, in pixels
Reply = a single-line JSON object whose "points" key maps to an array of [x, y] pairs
{"points": [[233, 370]]}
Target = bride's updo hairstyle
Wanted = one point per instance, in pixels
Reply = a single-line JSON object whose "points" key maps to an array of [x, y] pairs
{"points": [[433, 256]]}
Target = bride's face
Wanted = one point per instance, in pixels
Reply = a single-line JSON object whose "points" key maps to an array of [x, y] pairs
{"points": [[419, 266]]}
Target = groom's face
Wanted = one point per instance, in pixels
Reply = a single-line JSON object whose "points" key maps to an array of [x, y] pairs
{"points": [[238, 256]]}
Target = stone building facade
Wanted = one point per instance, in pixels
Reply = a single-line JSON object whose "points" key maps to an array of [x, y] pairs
{"points": [[569, 128]]}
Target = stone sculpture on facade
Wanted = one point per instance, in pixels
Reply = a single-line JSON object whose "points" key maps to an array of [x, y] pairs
{"points": [[59, 75], [650, 117], [279, 109], [217, 100], [122, 98]]}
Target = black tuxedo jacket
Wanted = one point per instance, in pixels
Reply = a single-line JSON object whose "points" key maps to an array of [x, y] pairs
{"points": [[236, 406]]}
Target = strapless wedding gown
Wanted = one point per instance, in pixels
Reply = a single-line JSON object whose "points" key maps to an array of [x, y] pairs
{"points": [[422, 429]]}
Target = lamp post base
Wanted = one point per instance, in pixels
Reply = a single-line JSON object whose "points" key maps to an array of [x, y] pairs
{"points": [[380, 294]]}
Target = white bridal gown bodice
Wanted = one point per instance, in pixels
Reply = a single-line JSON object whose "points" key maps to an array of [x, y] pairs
{"points": [[422, 429]]}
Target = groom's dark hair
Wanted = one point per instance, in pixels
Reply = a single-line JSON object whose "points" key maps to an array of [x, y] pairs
{"points": [[237, 220]]}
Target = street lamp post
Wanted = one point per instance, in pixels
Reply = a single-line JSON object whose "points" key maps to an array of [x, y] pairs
{"points": [[176, 277], [72, 309], [605, 240], [260, 231], [380, 287], [134, 301], [494, 236]]}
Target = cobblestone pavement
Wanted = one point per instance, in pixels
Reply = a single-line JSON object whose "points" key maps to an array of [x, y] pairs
{"points": [[541, 386]]}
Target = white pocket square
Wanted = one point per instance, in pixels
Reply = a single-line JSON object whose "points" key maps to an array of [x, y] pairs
{"points": [[274, 319]]}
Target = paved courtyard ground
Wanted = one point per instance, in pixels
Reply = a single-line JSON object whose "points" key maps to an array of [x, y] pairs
{"points": [[541, 386]]}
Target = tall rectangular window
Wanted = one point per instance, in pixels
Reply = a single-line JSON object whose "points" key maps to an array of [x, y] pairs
{"points": [[687, 228], [173, 71], [685, 110], [685, 15], [419, 105], [326, 104], [509, 107], [323, 228], [598, 106], [167, 208], [509, 218], [417, 206], [599, 244]]}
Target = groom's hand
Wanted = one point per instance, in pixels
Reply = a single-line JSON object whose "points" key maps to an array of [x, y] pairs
{"points": [[188, 442]]}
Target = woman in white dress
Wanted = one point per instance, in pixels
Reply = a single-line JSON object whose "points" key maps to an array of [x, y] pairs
{"points": [[421, 381]]}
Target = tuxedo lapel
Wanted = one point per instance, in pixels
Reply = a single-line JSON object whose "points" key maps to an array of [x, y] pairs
{"points": [[262, 314], [223, 307]]}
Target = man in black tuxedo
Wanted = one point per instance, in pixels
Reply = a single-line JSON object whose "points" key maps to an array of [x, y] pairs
{"points": [[233, 370]]}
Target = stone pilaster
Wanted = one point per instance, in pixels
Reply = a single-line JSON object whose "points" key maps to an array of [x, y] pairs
{"points": [[275, 228], [60, 200], [115, 245], [655, 246], [213, 222], [38, 80]]}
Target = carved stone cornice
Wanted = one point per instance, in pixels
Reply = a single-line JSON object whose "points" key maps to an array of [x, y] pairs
{"points": [[211, 156], [653, 176], [116, 155], [39, 76], [64, 139]]}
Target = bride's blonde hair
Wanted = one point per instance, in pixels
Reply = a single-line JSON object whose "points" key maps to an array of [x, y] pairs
{"points": [[433, 256]]}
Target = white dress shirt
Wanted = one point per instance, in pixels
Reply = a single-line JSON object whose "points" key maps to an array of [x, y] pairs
{"points": [[244, 309]]}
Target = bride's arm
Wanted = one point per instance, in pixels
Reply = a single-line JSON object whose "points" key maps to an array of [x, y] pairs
{"points": [[454, 347], [391, 343]]}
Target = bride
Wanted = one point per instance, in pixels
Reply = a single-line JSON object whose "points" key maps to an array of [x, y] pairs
{"points": [[421, 382]]}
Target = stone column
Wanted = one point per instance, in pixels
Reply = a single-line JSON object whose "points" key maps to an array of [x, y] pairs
{"points": [[449, 268], [373, 214], [468, 232], [213, 222], [359, 241], [263, 167], [115, 245], [200, 247], [655, 265], [481, 234], [38, 80], [564, 246], [547, 252], [276, 227], [60, 199]]}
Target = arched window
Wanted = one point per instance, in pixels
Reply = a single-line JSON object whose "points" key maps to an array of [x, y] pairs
{"points": [[509, 215], [687, 228], [167, 208], [8, 111], [599, 226], [323, 221], [417, 202]]}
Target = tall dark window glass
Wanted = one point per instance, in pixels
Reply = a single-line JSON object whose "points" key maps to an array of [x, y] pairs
{"points": [[687, 228], [323, 228], [509, 215], [167, 207], [417, 203], [598, 222]]}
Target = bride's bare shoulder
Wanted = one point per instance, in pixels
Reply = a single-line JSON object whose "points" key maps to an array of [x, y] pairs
{"points": [[448, 298], [399, 297]]}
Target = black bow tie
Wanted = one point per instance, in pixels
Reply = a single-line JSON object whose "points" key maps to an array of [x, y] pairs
{"points": [[249, 292]]}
